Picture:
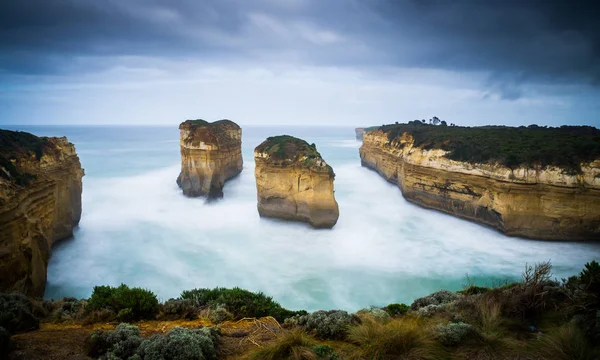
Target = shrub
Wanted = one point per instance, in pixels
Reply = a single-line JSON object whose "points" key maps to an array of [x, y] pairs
{"points": [[453, 333], [397, 309], [325, 352], [430, 310], [120, 343], [565, 343], [325, 324], [5, 344], [219, 315], [374, 313], [67, 309], [584, 291], [403, 338], [181, 344], [241, 303], [16, 313], [178, 309], [437, 298], [293, 345], [142, 303], [473, 290]]}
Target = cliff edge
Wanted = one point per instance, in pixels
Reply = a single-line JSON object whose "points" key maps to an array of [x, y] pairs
{"points": [[40, 203], [541, 183], [294, 182], [211, 153]]}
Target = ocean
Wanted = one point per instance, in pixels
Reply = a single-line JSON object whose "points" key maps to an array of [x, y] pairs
{"points": [[137, 228]]}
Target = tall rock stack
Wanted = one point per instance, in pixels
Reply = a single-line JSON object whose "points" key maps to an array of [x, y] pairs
{"points": [[40, 203], [211, 153], [294, 182]]}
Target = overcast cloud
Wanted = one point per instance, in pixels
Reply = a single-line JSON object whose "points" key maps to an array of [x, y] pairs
{"points": [[338, 62]]}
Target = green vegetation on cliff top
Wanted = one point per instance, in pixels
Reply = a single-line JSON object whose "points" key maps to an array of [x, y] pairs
{"points": [[17, 144], [565, 147], [286, 147], [200, 123]]}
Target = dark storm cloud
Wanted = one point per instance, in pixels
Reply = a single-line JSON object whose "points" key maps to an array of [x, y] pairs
{"points": [[512, 41]]}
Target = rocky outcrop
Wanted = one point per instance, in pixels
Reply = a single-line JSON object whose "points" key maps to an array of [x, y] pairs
{"points": [[540, 203], [211, 153], [40, 203], [294, 182]]}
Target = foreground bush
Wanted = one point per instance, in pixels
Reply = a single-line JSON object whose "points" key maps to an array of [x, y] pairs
{"points": [[120, 343], [5, 344], [174, 309], [374, 313], [565, 343], [584, 290], [398, 339], [454, 333], [241, 303], [67, 309], [437, 298], [294, 345], [16, 313], [181, 344], [128, 303], [325, 324], [397, 309]]}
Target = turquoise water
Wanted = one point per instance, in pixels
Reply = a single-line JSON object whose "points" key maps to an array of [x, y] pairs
{"points": [[137, 228]]}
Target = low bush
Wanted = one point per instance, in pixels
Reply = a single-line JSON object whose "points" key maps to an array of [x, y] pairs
{"points": [[437, 298], [397, 309], [473, 290], [174, 309], [181, 344], [374, 313], [241, 303], [430, 310], [5, 344], [568, 342], [325, 352], [403, 338], [454, 333], [219, 315], [325, 324], [16, 313], [120, 343], [584, 292], [128, 303], [293, 345], [67, 309]]}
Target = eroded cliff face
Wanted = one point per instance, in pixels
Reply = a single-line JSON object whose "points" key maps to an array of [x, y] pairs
{"points": [[294, 182], [211, 153], [535, 203], [40, 203]]}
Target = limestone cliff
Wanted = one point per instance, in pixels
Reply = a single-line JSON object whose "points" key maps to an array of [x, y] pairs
{"points": [[535, 202], [40, 203], [294, 182], [211, 153]]}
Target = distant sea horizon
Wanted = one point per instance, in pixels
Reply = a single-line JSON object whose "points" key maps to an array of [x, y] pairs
{"points": [[137, 228]]}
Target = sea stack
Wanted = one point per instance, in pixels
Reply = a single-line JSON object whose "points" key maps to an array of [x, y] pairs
{"points": [[294, 182], [40, 204], [534, 182], [211, 153]]}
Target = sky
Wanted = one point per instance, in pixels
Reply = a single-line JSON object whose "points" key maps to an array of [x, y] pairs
{"points": [[300, 62]]}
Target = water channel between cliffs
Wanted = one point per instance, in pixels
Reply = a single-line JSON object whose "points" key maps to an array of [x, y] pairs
{"points": [[137, 228]]}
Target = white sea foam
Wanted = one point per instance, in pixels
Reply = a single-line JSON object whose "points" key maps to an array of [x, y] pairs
{"points": [[140, 230]]}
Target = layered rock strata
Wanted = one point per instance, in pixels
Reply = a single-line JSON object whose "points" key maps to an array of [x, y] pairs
{"points": [[211, 153], [294, 182], [40, 203], [540, 203]]}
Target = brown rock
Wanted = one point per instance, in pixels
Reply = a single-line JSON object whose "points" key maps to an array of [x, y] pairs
{"points": [[40, 203], [211, 153], [535, 203], [294, 182]]}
